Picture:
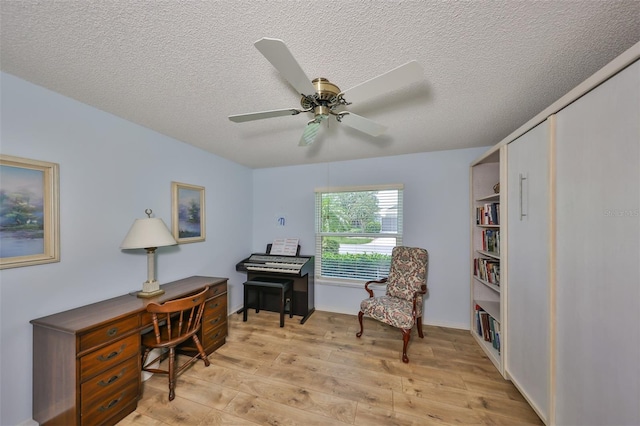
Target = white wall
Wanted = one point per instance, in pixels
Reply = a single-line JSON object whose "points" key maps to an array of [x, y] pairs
{"points": [[110, 171], [436, 217]]}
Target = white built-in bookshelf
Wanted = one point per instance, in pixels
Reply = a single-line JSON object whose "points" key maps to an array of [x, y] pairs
{"points": [[487, 278], [565, 246]]}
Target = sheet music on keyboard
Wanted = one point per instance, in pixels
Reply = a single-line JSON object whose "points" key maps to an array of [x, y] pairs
{"points": [[284, 246]]}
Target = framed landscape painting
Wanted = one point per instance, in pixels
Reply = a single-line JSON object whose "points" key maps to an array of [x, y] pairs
{"points": [[187, 213], [29, 212]]}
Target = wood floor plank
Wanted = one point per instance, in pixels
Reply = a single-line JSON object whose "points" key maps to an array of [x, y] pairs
{"points": [[427, 390], [155, 404], [374, 416], [265, 412], [433, 410], [347, 372], [333, 385], [137, 419], [321, 373], [499, 388], [321, 403], [503, 407], [197, 390]]}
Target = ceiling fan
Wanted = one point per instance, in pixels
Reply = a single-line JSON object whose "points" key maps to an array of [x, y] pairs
{"points": [[323, 98]]}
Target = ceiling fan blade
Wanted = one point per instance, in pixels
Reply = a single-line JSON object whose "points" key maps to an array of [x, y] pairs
{"points": [[312, 129], [362, 124], [391, 80], [281, 58], [241, 118]]}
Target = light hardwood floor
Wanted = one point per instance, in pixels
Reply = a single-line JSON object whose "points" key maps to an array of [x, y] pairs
{"points": [[320, 373]]}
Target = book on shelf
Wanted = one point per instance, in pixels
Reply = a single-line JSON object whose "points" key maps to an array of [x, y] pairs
{"points": [[492, 332], [488, 214], [478, 323], [487, 327], [490, 240], [487, 270], [484, 317]]}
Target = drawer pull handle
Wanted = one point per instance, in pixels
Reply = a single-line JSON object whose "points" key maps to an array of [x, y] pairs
{"points": [[214, 321], [112, 378], [112, 354], [214, 306], [110, 405], [112, 331]]}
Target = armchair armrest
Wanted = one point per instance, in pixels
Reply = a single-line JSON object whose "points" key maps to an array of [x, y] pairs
{"points": [[423, 290], [380, 281]]}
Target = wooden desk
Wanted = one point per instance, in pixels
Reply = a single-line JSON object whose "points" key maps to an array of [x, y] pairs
{"points": [[86, 361]]}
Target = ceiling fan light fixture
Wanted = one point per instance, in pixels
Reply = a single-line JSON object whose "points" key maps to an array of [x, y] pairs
{"points": [[311, 130]]}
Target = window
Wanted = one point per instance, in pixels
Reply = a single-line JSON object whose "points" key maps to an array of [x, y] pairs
{"points": [[356, 230]]}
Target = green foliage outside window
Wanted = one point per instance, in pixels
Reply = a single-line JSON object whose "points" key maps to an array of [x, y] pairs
{"points": [[367, 266]]}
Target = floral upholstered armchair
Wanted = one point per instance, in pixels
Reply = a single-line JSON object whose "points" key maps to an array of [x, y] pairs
{"points": [[401, 306]]}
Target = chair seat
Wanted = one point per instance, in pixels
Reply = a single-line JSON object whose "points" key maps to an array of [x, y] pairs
{"points": [[389, 310], [149, 339]]}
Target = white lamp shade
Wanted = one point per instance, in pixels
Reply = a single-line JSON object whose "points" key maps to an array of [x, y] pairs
{"points": [[147, 233]]}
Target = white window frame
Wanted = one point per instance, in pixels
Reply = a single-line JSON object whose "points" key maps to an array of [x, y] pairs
{"points": [[398, 234]]}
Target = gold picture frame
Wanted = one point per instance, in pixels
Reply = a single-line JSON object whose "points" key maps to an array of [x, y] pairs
{"points": [[29, 212], [187, 213]]}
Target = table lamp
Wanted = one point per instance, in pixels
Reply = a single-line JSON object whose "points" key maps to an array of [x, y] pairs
{"points": [[148, 233]]}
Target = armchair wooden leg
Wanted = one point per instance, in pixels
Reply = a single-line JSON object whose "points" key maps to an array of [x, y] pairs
{"points": [[419, 323], [406, 335], [360, 315]]}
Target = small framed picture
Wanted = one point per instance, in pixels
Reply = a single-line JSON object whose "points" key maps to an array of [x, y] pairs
{"points": [[187, 213], [29, 212]]}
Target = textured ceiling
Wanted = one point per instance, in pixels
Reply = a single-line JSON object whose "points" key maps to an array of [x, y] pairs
{"points": [[181, 68]]}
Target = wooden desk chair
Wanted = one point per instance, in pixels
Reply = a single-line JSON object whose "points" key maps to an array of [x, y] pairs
{"points": [[174, 322]]}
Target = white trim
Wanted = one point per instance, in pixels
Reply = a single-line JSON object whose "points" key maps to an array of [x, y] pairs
{"points": [[337, 282], [361, 188]]}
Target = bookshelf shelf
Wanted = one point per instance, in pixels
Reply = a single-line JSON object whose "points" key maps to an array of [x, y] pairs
{"points": [[491, 307], [490, 254], [492, 197], [492, 286]]}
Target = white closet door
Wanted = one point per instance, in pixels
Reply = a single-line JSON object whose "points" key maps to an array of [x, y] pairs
{"points": [[528, 357], [598, 255]]}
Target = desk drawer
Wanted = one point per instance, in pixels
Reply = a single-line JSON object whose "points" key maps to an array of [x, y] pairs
{"points": [[212, 321], [109, 382], [211, 336], [215, 315], [107, 357], [217, 289], [215, 306], [110, 403], [108, 332]]}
